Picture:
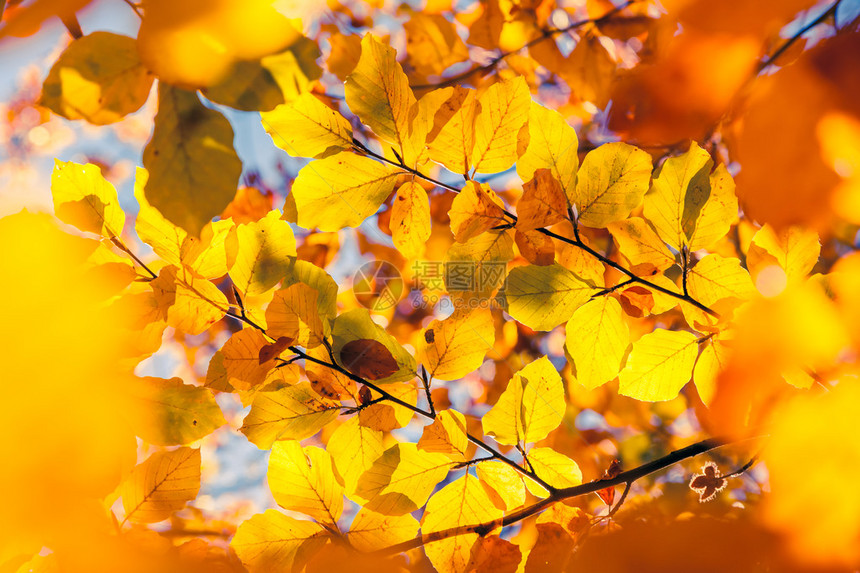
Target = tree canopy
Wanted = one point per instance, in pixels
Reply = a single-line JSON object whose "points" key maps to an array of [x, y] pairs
{"points": [[530, 285]]}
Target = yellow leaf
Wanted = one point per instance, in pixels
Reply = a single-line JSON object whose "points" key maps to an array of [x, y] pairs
{"points": [[272, 541], [293, 313], [172, 413], [98, 78], [371, 531], [453, 136], [554, 468], [475, 210], [531, 406], [259, 254], [476, 268], [506, 482], [238, 361], [794, 249], [678, 196], [378, 92], [344, 55], [354, 448], [456, 346], [357, 325], [640, 245], [718, 213], [387, 416], [553, 145], [410, 220], [716, 278], [504, 112], [712, 360], [341, 191], [401, 479], [543, 203], [432, 43], [611, 183], [291, 413], [189, 303], [193, 168], [207, 256], [83, 198], [305, 480], [461, 502], [582, 264], [659, 365], [316, 278], [544, 297], [162, 484], [597, 338], [446, 435], [307, 127]]}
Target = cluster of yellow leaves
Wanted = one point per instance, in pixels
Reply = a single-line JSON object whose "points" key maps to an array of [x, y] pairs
{"points": [[632, 257]]}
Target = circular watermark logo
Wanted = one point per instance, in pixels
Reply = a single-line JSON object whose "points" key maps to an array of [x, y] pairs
{"points": [[378, 285]]}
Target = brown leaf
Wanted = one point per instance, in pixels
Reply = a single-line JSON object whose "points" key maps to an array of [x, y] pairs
{"points": [[369, 359], [270, 351], [535, 247]]}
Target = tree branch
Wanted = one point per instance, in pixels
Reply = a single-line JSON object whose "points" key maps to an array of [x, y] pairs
{"points": [[627, 478]]}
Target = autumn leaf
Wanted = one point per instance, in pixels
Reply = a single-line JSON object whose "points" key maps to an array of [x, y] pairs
{"points": [[354, 448], [543, 203], [446, 435], [659, 365], [272, 540], [410, 219], [162, 484], [85, 199], [530, 407], [461, 502], [612, 181], [456, 346], [504, 112], [307, 127], [193, 168], [259, 253], [452, 138], [305, 480], [641, 246], [544, 297], [371, 531], [98, 78], [475, 210], [596, 340], [369, 359], [186, 301], [292, 413], [173, 413], [341, 190], [552, 145], [380, 356], [401, 479]]}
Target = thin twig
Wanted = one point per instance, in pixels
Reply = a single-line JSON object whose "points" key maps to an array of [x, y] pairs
{"points": [[799, 34], [121, 246], [134, 7]]}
